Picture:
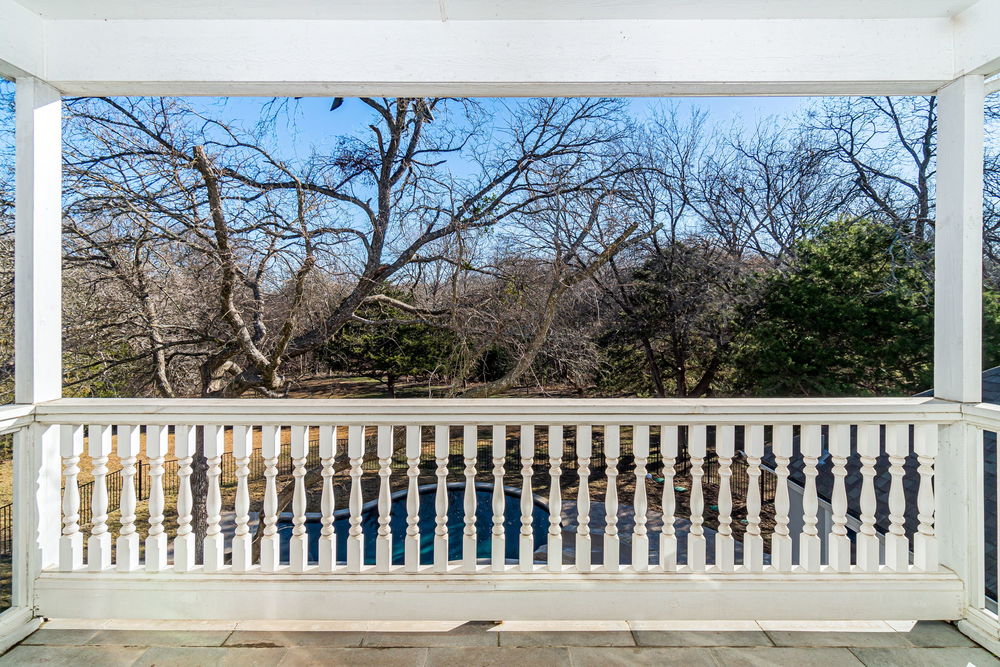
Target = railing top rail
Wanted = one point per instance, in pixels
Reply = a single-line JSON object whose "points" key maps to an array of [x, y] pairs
{"points": [[13, 417], [983, 415], [498, 411]]}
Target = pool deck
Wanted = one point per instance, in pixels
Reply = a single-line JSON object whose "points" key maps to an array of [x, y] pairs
{"points": [[511, 644]]}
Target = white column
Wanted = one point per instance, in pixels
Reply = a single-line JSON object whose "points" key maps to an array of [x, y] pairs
{"points": [[298, 544], [242, 450], [958, 244], [214, 545], [957, 321], [127, 544], [38, 243], [37, 320], [383, 540], [327, 538], [411, 543]]}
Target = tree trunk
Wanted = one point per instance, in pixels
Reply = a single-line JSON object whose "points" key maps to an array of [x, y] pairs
{"points": [[654, 368]]}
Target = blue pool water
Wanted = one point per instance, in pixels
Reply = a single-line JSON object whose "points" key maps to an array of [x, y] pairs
{"points": [[456, 525]]}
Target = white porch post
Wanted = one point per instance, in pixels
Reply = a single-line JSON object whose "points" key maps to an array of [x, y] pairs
{"points": [[37, 317], [958, 324]]}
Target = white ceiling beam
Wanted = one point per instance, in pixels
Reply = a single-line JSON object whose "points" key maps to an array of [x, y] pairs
{"points": [[21, 41], [313, 57], [976, 39]]}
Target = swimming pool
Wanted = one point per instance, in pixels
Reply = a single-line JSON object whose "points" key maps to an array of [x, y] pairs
{"points": [[426, 523]]}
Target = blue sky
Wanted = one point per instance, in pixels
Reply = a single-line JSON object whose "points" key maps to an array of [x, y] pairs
{"points": [[314, 124]]}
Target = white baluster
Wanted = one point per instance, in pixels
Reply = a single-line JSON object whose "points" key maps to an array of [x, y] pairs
{"points": [[470, 445], [697, 448], [327, 536], [298, 544], [668, 534], [498, 538], [127, 544], [584, 450], [925, 445], [442, 449], [640, 538], [184, 446], [99, 542], [214, 544], [71, 541], [897, 547], [355, 536], [242, 545], [753, 543], [526, 550], [612, 543], [839, 544], [725, 545], [157, 440], [383, 540], [554, 544], [810, 544], [270, 450], [867, 540], [781, 541], [411, 543]]}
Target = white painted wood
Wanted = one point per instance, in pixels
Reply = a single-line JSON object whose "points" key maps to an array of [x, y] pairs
{"points": [[22, 38], [897, 548], [442, 449], [753, 542], [584, 451], [503, 596], [37, 242], [298, 543], [668, 534], [697, 448], [99, 542], [184, 446], [498, 553], [867, 540], [511, 411], [640, 538], [429, 10], [627, 56], [470, 448], [959, 483], [925, 446], [838, 542], [781, 541], [242, 552], [725, 544], [127, 544], [355, 536], [612, 543], [958, 246], [71, 541], [270, 450], [975, 42], [526, 542], [411, 543], [214, 546], [328, 505], [554, 543], [383, 540], [157, 445], [810, 544]]}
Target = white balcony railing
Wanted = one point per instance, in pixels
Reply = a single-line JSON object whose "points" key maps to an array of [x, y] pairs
{"points": [[608, 508]]}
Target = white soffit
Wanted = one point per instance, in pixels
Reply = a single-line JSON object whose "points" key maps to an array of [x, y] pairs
{"points": [[494, 9]]}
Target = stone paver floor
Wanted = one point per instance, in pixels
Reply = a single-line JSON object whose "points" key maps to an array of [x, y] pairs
{"points": [[508, 644]]}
